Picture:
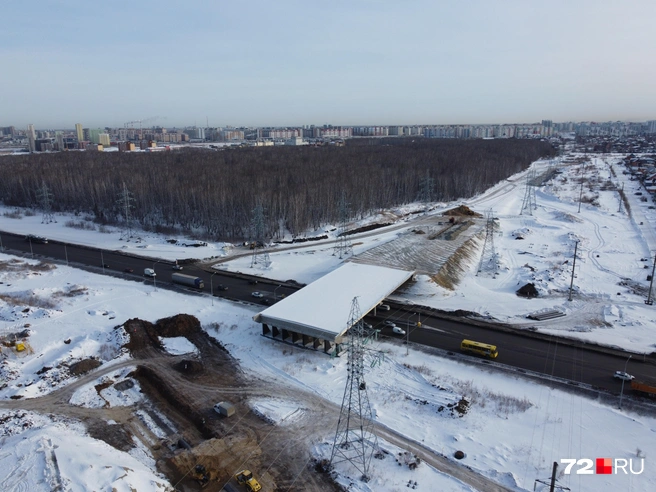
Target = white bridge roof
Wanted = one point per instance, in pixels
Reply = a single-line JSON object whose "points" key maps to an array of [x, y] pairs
{"points": [[322, 308]]}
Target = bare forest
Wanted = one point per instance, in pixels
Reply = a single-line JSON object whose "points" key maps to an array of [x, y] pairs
{"points": [[214, 194]]}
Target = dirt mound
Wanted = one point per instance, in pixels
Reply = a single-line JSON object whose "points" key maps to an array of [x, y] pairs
{"points": [[462, 211], [83, 366], [527, 290], [180, 325], [145, 334], [189, 366]]}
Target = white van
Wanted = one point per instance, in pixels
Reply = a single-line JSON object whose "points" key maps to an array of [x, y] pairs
{"points": [[149, 272]]}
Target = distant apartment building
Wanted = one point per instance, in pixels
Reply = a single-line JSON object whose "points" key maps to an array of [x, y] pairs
{"points": [[370, 131], [9, 131], [59, 140], [79, 132], [651, 126], [104, 140], [333, 132], [31, 137], [295, 141], [94, 135], [125, 146], [195, 133], [279, 133], [228, 135]]}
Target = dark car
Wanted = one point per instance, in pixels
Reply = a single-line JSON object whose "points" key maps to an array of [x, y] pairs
{"points": [[252, 281], [266, 302], [221, 287], [177, 267], [128, 270], [105, 265]]}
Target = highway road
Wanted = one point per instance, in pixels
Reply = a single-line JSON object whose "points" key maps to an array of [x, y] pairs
{"points": [[528, 351]]}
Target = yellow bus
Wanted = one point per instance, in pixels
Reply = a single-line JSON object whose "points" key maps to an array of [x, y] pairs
{"points": [[478, 348]]}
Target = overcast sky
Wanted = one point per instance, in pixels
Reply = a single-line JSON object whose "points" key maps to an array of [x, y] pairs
{"points": [[340, 62]]}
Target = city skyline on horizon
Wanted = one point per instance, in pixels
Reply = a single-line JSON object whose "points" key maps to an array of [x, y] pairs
{"points": [[290, 63]]}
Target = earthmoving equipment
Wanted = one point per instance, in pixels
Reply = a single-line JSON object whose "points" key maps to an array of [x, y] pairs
{"points": [[246, 478]]}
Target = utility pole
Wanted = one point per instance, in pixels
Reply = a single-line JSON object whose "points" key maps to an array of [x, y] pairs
{"points": [[571, 284], [649, 301], [580, 195], [551, 483], [619, 210]]}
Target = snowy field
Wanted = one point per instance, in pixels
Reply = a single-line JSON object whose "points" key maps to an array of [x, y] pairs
{"points": [[514, 429]]}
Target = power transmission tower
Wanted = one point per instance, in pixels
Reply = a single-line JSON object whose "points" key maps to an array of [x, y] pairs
{"points": [[125, 204], [343, 245], [529, 203], [258, 227], [489, 258], [355, 440], [45, 198], [426, 189]]}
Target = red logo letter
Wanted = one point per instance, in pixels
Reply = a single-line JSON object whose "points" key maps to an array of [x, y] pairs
{"points": [[604, 466]]}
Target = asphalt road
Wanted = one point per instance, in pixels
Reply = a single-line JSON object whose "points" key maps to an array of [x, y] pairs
{"points": [[547, 355]]}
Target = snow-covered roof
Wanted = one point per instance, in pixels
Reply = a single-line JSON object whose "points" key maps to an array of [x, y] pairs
{"points": [[322, 308]]}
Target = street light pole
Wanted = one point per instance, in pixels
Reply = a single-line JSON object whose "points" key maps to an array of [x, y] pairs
{"points": [[66, 254], [622, 392], [275, 290], [102, 262], [155, 276], [212, 287]]}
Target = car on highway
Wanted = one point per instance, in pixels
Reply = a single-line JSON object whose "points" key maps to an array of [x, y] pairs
{"points": [[149, 272], [221, 287], [36, 239], [624, 376], [259, 295], [384, 307], [398, 330], [252, 281], [388, 322], [128, 270], [104, 265], [177, 267]]}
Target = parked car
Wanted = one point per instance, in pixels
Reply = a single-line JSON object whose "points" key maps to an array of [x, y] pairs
{"points": [[398, 330], [259, 295], [624, 376], [384, 307]]}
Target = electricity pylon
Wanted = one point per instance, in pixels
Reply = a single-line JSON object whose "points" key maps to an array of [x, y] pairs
{"points": [[343, 245], [125, 204], [529, 202], [489, 258], [355, 440], [45, 198], [260, 253]]}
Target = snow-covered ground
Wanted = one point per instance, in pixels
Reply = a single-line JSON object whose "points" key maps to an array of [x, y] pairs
{"points": [[514, 429]]}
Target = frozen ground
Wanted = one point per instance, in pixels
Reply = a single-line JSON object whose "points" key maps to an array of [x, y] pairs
{"points": [[514, 428]]}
